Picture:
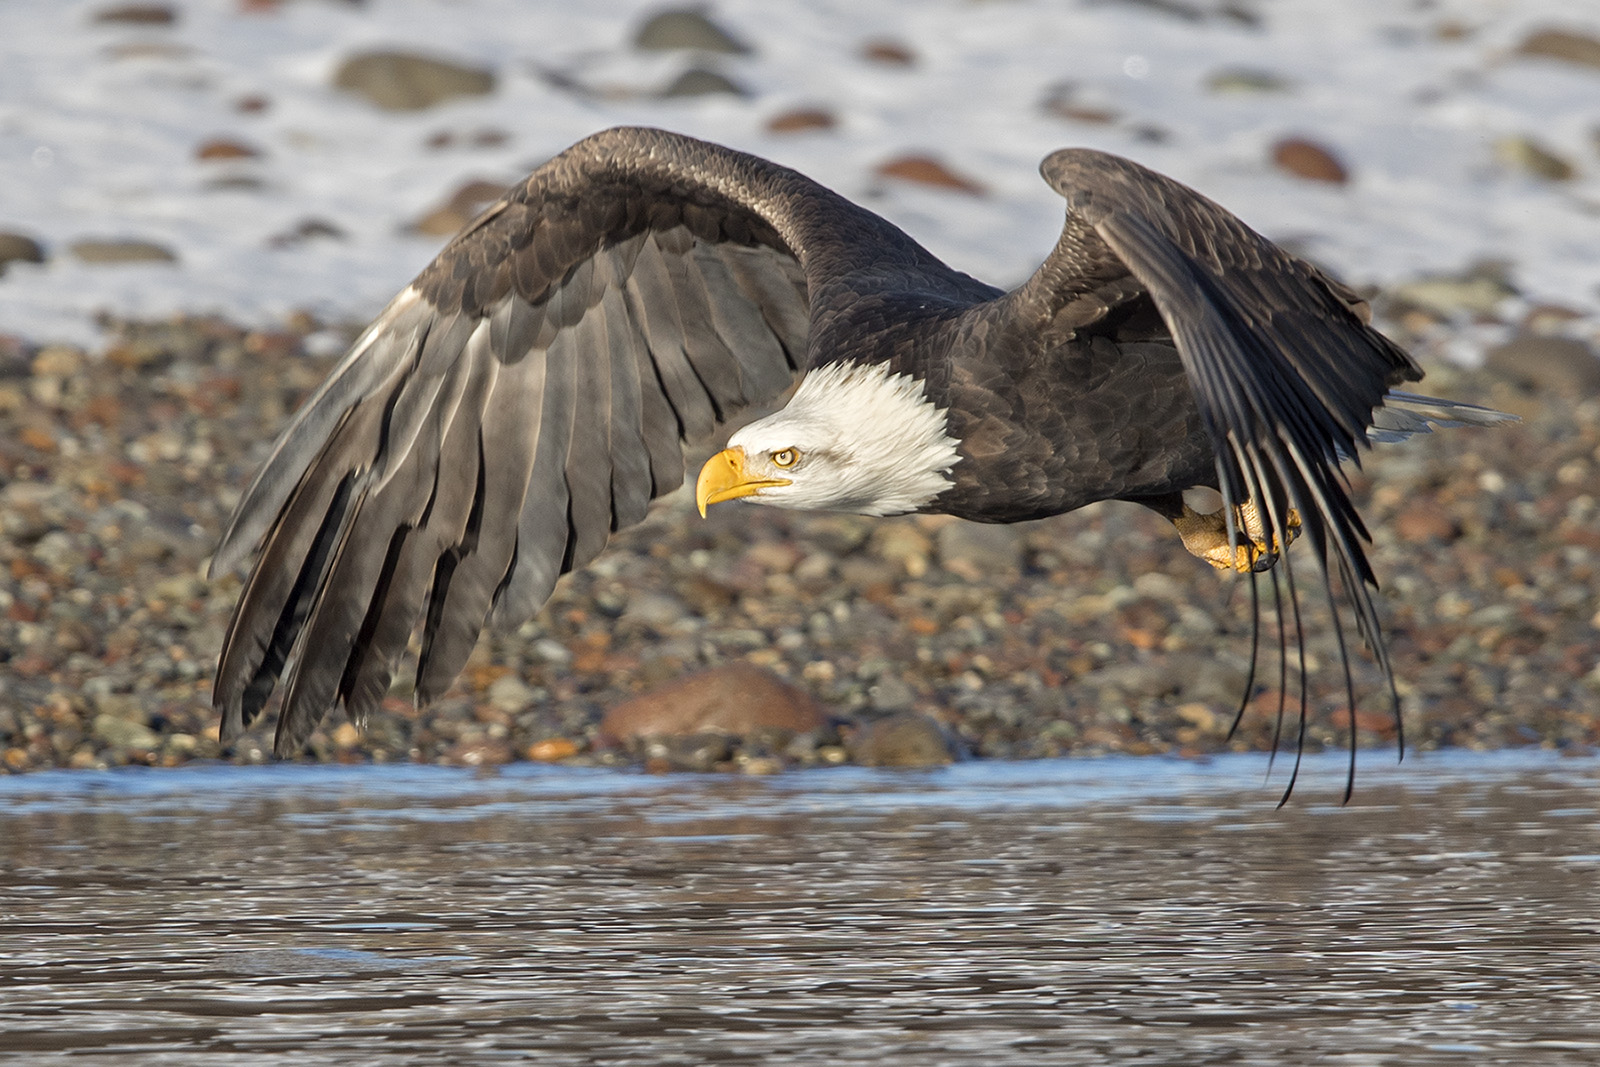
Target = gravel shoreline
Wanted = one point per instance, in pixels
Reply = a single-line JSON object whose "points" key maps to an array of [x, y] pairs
{"points": [[1083, 634]]}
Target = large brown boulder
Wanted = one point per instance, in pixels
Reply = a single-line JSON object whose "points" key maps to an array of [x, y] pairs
{"points": [[907, 739], [740, 700]]}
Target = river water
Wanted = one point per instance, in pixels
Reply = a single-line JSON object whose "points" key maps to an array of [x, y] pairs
{"points": [[1060, 912]]}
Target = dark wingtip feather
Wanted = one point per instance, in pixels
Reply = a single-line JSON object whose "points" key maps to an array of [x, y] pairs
{"points": [[1285, 370]]}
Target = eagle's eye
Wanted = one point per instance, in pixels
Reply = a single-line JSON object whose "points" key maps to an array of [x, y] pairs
{"points": [[786, 457]]}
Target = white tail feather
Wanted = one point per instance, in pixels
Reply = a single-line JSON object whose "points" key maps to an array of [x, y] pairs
{"points": [[1404, 414]]}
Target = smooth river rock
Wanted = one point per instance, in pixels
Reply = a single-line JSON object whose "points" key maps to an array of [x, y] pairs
{"points": [[738, 699]]}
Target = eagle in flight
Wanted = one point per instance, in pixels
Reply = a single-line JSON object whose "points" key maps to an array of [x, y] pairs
{"points": [[532, 391]]}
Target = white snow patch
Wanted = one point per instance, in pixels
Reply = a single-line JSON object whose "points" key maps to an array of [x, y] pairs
{"points": [[99, 143]]}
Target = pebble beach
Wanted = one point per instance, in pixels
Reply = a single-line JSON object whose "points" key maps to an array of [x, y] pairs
{"points": [[299, 173], [1084, 634]]}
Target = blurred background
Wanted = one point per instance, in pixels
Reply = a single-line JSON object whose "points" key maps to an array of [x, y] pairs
{"points": [[200, 200], [258, 157]]}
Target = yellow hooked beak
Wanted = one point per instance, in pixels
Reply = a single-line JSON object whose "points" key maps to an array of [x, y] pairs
{"points": [[724, 477]]}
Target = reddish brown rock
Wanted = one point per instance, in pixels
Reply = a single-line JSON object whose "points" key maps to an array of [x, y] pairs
{"points": [[925, 170], [908, 739], [1373, 722], [739, 699], [889, 53], [800, 119], [552, 749], [1426, 521], [462, 207], [1309, 160], [138, 15], [223, 148]]}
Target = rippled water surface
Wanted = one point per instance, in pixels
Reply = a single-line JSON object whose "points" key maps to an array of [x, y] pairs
{"points": [[1056, 912]]}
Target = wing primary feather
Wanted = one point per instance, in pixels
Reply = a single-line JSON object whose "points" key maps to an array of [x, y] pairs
{"points": [[416, 403], [717, 413], [779, 292], [652, 303], [1251, 472], [661, 389], [542, 525], [1283, 669], [279, 575], [396, 604], [763, 364], [586, 453], [1255, 651], [1356, 576], [520, 578], [325, 461], [294, 612], [396, 500], [718, 369], [357, 686], [432, 678], [429, 686], [262, 611], [631, 483], [378, 358], [1268, 507], [1304, 687], [568, 554], [512, 420], [660, 426]]}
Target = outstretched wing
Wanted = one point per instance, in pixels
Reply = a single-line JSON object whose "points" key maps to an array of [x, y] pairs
{"points": [[1284, 366], [525, 397]]}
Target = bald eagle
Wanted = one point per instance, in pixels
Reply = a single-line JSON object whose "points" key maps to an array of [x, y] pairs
{"points": [[531, 392]]}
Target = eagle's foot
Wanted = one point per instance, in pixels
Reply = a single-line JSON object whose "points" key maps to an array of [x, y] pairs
{"points": [[1206, 536]]}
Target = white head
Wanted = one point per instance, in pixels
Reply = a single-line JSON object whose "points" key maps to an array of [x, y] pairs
{"points": [[853, 438]]}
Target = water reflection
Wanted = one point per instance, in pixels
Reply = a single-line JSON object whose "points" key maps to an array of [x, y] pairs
{"points": [[1066, 912]]}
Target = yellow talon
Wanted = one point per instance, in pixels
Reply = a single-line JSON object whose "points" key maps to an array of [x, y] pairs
{"points": [[1206, 536]]}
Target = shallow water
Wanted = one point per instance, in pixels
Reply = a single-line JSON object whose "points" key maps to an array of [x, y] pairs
{"points": [[1058, 912]]}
